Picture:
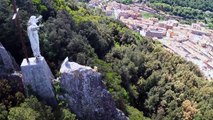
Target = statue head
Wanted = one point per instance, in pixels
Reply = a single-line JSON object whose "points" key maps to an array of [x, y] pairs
{"points": [[32, 20]]}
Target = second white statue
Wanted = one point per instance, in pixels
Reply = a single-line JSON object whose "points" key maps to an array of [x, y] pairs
{"points": [[32, 31]]}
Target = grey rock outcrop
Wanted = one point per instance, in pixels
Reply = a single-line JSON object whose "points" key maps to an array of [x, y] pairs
{"points": [[86, 94], [7, 62], [9, 69]]}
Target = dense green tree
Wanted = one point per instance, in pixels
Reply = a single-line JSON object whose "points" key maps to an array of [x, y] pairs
{"points": [[3, 112], [135, 114], [11, 92], [19, 113], [31, 109], [67, 115]]}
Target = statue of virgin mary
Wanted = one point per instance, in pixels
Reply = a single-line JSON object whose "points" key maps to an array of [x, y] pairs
{"points": [[32, 31]]}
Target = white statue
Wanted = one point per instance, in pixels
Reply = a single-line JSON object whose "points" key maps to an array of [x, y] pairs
{"points": [[32, 31], [117, 13]]}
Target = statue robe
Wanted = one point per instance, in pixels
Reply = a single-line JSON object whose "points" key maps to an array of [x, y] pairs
{"points": [[32, 32]]}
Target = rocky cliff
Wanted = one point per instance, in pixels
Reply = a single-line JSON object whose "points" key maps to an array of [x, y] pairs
{"points": [[86, 94], [10, 71], [7, 62], [8, 67]]}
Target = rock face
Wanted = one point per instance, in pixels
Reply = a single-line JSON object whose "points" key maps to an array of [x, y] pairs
{"points": [[9, 69], [86, 94], [7, 62], [37, 79]]}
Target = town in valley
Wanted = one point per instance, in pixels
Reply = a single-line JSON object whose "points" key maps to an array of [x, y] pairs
{"points": [[192, 42]]}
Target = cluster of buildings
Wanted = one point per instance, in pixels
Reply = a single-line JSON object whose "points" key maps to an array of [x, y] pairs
{"points": [[192, 42]]}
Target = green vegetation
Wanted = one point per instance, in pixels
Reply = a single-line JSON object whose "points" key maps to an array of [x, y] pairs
{"points": [[124, 1], [204, 5], [185, 12], [11, 92], [201, 10], [3, 112], [32, 109], [135, 114], [145, 80], [147, 15], [67, 115]]}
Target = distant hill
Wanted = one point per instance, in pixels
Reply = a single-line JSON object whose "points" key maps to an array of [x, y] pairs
{"points": [[204, 5], [201, 10]]}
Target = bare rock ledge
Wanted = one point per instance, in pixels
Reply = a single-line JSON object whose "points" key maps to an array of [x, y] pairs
{"points": [[86, 94]]}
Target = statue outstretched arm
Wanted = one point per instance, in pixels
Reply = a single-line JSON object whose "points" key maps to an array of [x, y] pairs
{"points": [[34, 28], [39, 17]]}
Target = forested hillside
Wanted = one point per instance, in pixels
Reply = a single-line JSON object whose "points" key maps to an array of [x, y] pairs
{"points": [[146, 81], [188, 9], [205, 5]]}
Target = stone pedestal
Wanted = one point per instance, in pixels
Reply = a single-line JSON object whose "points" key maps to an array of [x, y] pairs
{"points": [[37, 79]]}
